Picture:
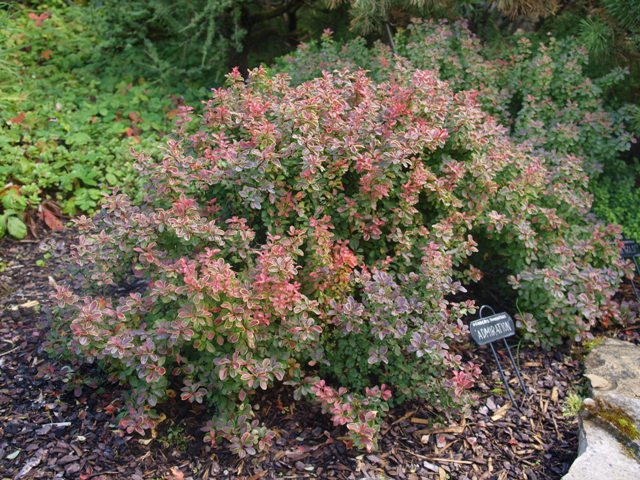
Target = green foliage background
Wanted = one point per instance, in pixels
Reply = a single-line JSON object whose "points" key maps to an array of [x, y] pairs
{"points": [[69, 115], [97, 77]]}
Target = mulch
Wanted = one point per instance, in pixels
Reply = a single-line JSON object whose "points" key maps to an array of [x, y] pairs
{"points": [[53, 426]]}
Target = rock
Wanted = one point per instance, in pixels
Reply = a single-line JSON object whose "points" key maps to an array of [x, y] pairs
{"points": [[607, 447], [599, 383], [616, 366], [601, 456]]}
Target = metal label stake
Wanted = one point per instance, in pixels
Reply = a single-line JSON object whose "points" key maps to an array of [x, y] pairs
{"points": [[487, 330]]}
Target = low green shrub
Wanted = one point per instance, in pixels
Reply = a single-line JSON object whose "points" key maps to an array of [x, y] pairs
{"points": [[65, 129], [322, 236], [617, 196]]}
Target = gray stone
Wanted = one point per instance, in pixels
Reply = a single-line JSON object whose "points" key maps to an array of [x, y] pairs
{"points": [[616, 366], [613, 368], [601, 457]]}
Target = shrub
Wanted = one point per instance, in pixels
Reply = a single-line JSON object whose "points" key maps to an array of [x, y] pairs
{"points": [[322, 235], [616, 196], [539, 91], [550, 107], [312, 58]]}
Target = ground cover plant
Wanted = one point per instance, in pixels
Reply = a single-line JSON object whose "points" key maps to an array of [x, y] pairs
{"points": [[323, 235], [66, 123]]}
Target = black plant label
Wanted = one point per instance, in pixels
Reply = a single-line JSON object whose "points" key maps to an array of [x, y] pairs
{"points": [[630, 249], [489, 329]]}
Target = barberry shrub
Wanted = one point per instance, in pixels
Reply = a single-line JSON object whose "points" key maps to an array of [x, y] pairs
{"points": [[322, 236], [553, 111]]}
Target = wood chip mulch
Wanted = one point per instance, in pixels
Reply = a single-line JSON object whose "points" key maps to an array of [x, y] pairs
{"points": [[53, 427]]}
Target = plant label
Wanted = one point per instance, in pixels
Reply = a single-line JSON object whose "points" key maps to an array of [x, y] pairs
{"points": [[489, 329], [630, 249]]}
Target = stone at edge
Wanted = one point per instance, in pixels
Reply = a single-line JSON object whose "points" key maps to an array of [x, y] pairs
{"points": [[614, 369], [601, 457], [618, 363]]}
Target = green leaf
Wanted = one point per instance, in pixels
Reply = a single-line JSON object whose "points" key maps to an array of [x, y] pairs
{"points": [[3, 225], [78, 138], [14, 201], [16, 228]]}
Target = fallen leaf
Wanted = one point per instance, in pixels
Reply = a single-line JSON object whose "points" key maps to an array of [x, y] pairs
{"points": [[500, 413], [442, 474], [30, 304], [176, 474], [404, 417], [13, 455], [450, 429], [50, 218]]}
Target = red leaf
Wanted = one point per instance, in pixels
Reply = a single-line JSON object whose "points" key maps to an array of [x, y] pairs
{"points": [[50, 218], [38, 18], [46, 54], [17, 120]]}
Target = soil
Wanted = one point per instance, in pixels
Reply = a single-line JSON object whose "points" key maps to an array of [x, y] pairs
{"points": [[52, 425]]}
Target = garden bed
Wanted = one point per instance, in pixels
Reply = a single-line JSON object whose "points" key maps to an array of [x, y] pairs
{"points": [[50, 427]]}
